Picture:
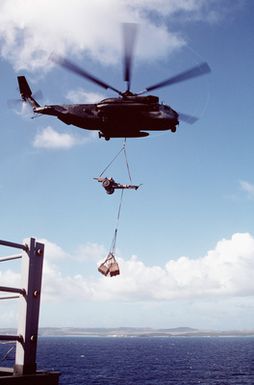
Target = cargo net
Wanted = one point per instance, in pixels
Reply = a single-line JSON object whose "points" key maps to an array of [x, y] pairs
{"points": [[110, 266]]}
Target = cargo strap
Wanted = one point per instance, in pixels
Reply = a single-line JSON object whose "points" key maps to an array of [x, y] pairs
{"points": [[123, 149], [113, 244], [126, 160]]}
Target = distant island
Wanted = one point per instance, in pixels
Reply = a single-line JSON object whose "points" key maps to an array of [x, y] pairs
{"points": [[134, 332]]}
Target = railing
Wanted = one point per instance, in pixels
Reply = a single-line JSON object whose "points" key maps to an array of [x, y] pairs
{"points": [[29, 295]]}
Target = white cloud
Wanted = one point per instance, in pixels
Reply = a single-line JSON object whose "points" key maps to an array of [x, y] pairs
{"points": [[90, 251], [9, 278], [248, 188], [168, 7], [8, 316], [49, 138], [81, 96], [226, 271], [211, 11], [222, 280], [53, 251], [30, 33]]}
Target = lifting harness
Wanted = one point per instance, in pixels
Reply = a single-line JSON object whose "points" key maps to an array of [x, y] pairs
{"points": [[110, 265], [123, 149]]}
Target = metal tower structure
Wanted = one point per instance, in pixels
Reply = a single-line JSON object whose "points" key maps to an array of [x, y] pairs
{"points": [[25, 368]]}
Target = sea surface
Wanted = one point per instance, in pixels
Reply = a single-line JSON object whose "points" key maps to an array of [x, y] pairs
{"points": [[148, 361]]}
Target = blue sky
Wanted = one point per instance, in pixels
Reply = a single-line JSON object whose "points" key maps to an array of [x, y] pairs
{"points": [[186, 237]]}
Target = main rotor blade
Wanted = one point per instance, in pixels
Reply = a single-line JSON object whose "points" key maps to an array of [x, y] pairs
{"points": [[187, 118], [129, 38], [67, 64], [199, 70]]}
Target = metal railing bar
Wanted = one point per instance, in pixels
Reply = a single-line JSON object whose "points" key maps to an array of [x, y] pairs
{"points": [[12, 290], [10, 258], [11, 297], [6, 337], [13, 244]]}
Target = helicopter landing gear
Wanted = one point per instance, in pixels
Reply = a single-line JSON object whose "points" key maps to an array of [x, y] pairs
{"points": [[173, 129], [101, 135]]}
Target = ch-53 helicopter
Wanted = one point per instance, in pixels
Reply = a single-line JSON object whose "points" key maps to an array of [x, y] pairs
{"points": [[131, 114]]}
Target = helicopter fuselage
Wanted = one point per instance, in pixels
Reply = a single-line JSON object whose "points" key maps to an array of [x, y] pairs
{"points": [[129, 116]]}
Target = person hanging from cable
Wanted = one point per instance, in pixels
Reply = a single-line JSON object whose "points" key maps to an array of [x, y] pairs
{"points": [[109, 184]]}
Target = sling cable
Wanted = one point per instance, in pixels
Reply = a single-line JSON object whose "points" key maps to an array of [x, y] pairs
{"points": [[110, 266]]}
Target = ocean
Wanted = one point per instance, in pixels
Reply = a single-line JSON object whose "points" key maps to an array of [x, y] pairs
{"points": [[148, 360]]}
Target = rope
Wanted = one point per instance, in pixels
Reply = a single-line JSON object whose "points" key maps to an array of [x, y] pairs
{"points": [[116, 156], [105, 169], [126, 160], [113, 244]]}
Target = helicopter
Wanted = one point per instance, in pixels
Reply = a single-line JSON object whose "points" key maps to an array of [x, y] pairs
{"points": [[130, 115]]}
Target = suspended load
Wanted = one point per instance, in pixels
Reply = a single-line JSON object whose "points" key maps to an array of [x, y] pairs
{"points": [[109, 266], [110, 185]]}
